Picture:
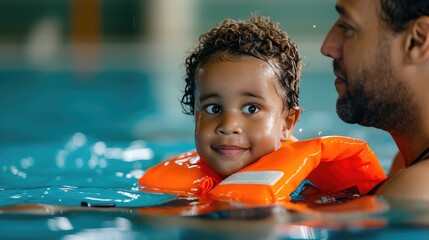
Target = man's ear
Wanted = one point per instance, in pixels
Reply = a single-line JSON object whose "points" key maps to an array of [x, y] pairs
{"points": [[418, 40], [291, 118]]}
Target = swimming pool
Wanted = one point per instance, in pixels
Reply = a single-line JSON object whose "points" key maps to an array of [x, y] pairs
{"points": [[64, 142], [61, 175], [69, 136]]}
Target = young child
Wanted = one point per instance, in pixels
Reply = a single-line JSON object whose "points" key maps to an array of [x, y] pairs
{"points": [[242, 86]]}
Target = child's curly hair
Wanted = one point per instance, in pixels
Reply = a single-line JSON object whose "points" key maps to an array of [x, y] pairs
{"points": [[257, 37]]}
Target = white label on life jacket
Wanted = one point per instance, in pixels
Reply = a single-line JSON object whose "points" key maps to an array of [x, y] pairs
{"points": [[254, 177]]}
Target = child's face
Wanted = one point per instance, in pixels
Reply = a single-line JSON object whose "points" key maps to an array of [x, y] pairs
{"points": [[239, 115]]}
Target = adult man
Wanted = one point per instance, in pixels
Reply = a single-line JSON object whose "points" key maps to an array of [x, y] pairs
{"points": [[380, 50]]}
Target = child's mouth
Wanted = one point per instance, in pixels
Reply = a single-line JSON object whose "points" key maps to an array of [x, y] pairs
{"points": [[229, 150]]}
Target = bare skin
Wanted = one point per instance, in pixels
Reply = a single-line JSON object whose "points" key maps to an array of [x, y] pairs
{"points": [[240, 116], [384, 86], [397, 164]]}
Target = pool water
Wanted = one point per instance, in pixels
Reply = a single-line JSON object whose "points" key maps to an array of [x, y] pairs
{"points": [[66, 140], [81, 169], [60, 176], [72, 135]]}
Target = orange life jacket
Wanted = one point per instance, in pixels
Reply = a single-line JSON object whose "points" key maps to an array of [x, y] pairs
{"points": [[331, 163]]}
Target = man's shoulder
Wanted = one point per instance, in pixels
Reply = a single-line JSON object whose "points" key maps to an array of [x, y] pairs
{"points": [[410, 183]]}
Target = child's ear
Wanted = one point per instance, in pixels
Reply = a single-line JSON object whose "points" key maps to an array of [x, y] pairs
{"points": [[418, 40], [291, 118]]}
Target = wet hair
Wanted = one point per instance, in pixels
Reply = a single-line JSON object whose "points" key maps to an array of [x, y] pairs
{"points": [[398, 13], [257, 37]]}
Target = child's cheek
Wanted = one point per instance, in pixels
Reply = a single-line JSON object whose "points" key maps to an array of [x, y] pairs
{"points": [[197, 122], [268, 126]]}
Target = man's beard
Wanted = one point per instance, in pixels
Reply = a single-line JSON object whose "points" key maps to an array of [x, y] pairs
{"points": [[377, 98], [349, 111]]}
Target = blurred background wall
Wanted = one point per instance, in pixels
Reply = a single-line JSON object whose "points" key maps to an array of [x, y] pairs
{"points": [[114, 69]]}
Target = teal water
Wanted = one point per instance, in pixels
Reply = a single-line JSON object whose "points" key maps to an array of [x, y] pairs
{"points": [[68, 136], [81, 169], [66, 140]]}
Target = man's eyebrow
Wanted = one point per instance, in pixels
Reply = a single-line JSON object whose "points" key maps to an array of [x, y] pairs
{"points": [[341, 10]]}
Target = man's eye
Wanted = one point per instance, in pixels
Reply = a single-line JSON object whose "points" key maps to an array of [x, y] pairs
{"points": [[343, 26], [348, 31], [212, 109], [251, 109]]}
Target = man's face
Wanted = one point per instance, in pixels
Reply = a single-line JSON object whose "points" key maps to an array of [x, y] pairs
{"points": [[365, 55], [240, 115]]}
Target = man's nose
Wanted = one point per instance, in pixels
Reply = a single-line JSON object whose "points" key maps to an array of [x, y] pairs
{"points": [[333, 43]]}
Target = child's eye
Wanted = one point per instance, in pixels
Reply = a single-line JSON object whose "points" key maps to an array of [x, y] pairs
{"points": [[251, 109], [212, 109]]}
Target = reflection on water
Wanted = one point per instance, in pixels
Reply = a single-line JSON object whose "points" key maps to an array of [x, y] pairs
{"points": [[81, 169], [70, 115], [43, 186], [268, 222]]}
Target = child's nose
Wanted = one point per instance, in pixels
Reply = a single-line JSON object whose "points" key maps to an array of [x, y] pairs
{"points": [[230, 124]]}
